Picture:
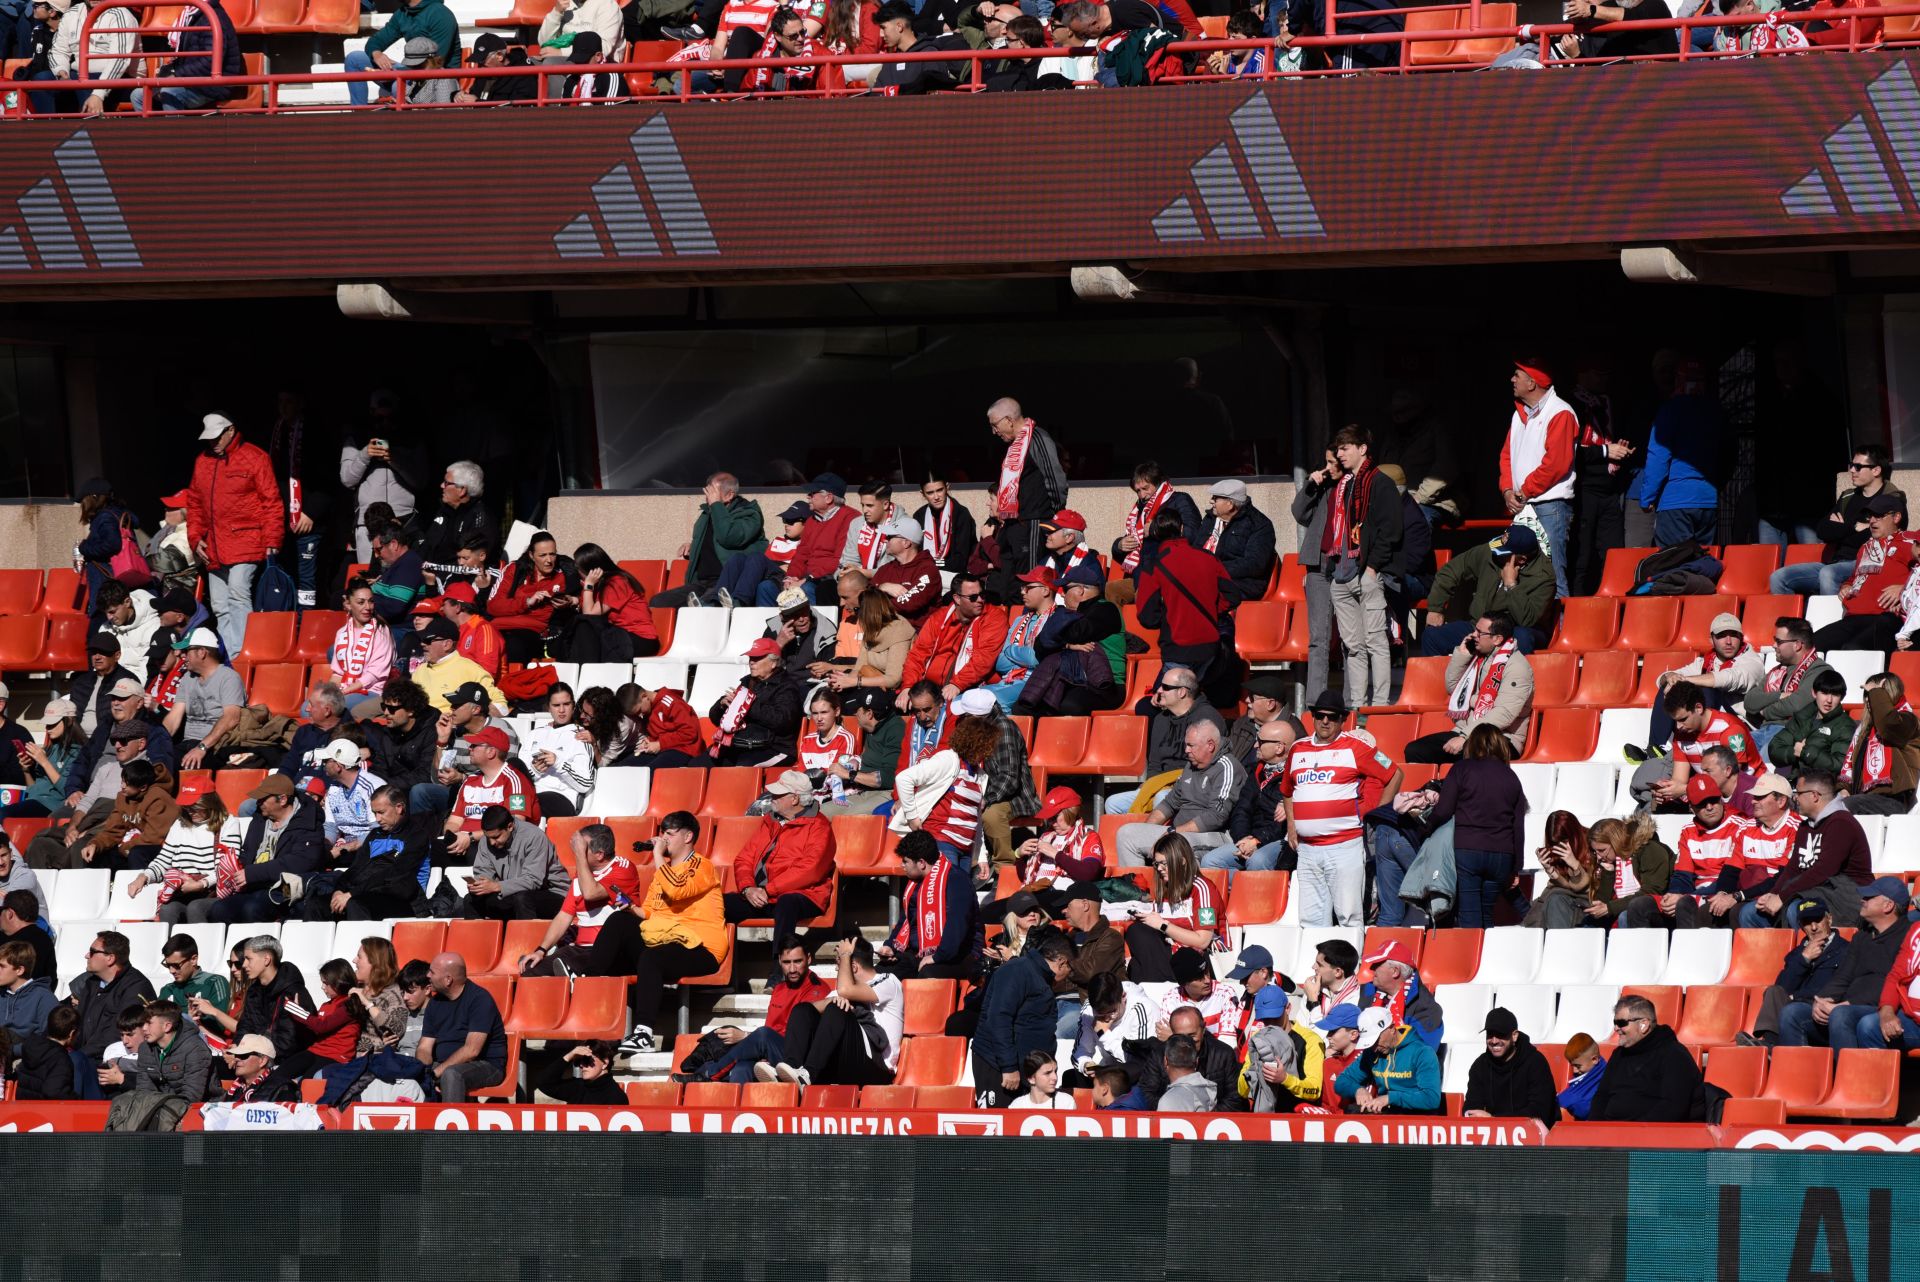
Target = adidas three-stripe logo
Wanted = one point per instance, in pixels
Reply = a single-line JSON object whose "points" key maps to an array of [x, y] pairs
{"points": [[1859, 161], [622, 214], [59, 241], [1228, 199]]}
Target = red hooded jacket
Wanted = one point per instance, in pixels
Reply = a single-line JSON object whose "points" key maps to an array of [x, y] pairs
{"points": [[1180, 620], [234, 504], [798, 856]]}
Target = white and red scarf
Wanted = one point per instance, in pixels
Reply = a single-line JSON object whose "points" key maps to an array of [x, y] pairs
{"points": [[1876, 763], [1024, 631], [359, 647], [1784, 681], [1140, 520], [1006, 495], [1045, 866], [1479, 685], [873, 544], [733, 718], [1213, 536], [930, 905], [939, 533], [1712, 662]]}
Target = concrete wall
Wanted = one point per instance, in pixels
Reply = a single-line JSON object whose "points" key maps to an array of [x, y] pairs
{"points": [[38, 536], [654, 525]]}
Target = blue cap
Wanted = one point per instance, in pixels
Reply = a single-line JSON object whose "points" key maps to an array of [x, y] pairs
{"points": [[829, 482], [1347, 1016], [1270, 1003], [1518, 538], [1892, 887], [796, 511], [1087, 572], [1252, 958]]}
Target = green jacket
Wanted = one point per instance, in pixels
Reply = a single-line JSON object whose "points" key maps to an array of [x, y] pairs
{"points": [[881, 751], [203, 984], [1652, 864], [1826, 740], [734, 527], [1473, 575], [429, 18]]}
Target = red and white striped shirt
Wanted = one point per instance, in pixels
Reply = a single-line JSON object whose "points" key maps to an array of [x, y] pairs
{"points": [[1196, 912], [1705, 853], [1761, 853], [1324, 782], [1723, 729], [622, 881], [955, 818], [509, 788], [816, 755], [1219, 1011]]}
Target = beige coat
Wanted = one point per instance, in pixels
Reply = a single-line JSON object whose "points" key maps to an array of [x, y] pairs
{"points": [[1512, 707]]}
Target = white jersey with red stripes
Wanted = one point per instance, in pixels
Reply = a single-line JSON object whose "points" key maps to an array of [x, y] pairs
{"points": [[1723, 730], [1704, 852], [1764, 849], [1324, 782], [955, 818]]}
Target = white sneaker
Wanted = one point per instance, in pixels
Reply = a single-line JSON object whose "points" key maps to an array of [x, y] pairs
{"points": [[765, 1072], [637, 1042], [307, 599], [788, 1073], [724, 597]]}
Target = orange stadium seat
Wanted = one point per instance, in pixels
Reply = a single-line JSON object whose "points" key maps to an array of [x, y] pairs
{"points": [[1606, 679], [1130, 619], [652, 574], [1555, 677], [1905, 664], [1753, 1112], [1291, 584], [1425, 687], [1260, 630], [519, 939], [1648, 623], [769, 1095], [280, 686], [477, 941], [1617, 577], [1259, 897], [672, 790], [929, 1002], [655, 1094], [1116, 746], [863, 847], [1696, 618], [598, 1009], [1564, 734], [1651, 666], [1411, 938], [1665, 999], [1798, 1076], [1059, 746], [65, 648], [539, 1004], [1757, 615], [269, 637], [234, 785], [943, 1097], [1803, 553], [727, 840], [730, 790], [65, 592], [525, 13], [1757, 957], [1393, 731], [499, 987], [1713, 1014], [1451, 956], [22, 638], [710, 1095], [1110, 826], [931, 1061], [894, 1097], [315, 637], [19, 591], [1738, 1070], [1866, 1086], [330, 17], [1745, 568], [837, 1097], [509, 1084], [266, 16], [418, 940], [1299, 636]]}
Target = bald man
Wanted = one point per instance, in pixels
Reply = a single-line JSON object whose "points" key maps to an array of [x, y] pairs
{"points": [[462, 1038], [1031, 487]]}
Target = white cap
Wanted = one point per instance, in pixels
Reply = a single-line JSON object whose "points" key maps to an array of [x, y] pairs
{"points": [[212, 425], [974, 703], [903, 527], [199, 638], [343, 752], [1374, 1020]]}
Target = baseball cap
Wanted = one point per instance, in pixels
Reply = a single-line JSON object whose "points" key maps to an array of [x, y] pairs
{"points": [[192, 790], [1724, 623], [902, 527], [1188, 965], [791, 783], [274, 785], [1518, 538], [1087, 572], [1701, 790], [490, 737], [1811, 910], [1083, 890], [198, 639], [1346, 1015], [427, 605], [125, 688], [762, 648], [175, 601], [439, 628], [795, 511], [213, 424], [1373, 1021], [1892, 887], [1041, 574], [1391, 951], [177, 499], [467, 692], [104, 643], [829, 483], [1066, 519], [1229, 489], [1771, 785], [1056, 800], [793, 604], [974, 703], [60, 709], [253, 1044], [1500, 1023], [342, 752], [1883, 503], [1270, 1003], [1252, 958], [459, 590], [1534, 368], [1022, 902]]}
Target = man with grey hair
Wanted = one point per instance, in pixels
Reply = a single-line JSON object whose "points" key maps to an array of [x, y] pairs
{"points": [[462, 516], [1650, 1077], [1031, 487], [1241, 536], [1197, 806], [1178, 703], [726, 525]]}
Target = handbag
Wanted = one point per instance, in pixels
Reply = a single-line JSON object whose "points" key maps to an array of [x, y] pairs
{"points": [[129, 564]]}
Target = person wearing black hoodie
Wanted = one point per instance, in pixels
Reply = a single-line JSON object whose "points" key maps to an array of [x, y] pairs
{"points": [[47, 1067], [896, 20], [1512, 1079], [271, 984], [584, 85], [1651, 1077], [491, 49]]}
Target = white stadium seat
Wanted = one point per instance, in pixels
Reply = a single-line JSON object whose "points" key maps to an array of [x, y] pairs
{"points": [[1698, 957], [307, 944], [1586, 789], [82, 895], [610, 675], [1511, 954], [711, 680], [1856, 666], [125, 907], [1898, 851], [1464, 1007], [1536, 781], [748, 624], [1531, 1004], [617, 791], [699, 634], [1618, 728], [1588, 1008], [1635, 956], [1822, 610], [1571, 957], [656, 674]]}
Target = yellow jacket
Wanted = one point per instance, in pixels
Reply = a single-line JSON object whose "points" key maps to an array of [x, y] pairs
{"points": [[441, 679], [684, 906]]}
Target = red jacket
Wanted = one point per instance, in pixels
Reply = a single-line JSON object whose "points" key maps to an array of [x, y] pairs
{"points": [[333, 1028], [508, 605], [936, 650], [818, 556], [234, 504], [1902, 989], [1180, 620], [785, 997], [674, 725], [1895, 565], [798, 856]]}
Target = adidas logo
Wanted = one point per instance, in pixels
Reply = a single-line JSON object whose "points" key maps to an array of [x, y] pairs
{"points": [[83, 230], [1859, 161], [1227, 198], [620, 218]]}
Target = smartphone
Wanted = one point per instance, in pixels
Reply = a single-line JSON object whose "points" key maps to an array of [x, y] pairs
{"points": [[379, 441]]}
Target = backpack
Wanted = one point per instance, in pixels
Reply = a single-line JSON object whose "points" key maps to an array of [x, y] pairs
{"points": [[273, 590], [1142, 57], [146, 1111]]}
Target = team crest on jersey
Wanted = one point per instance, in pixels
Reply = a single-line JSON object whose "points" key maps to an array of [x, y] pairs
{"points": [[1206, 916], [1737, 742], [517, 803], [1381, 757]]}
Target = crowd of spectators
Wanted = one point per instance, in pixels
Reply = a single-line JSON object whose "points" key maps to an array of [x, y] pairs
{"points": [[406, 759]]}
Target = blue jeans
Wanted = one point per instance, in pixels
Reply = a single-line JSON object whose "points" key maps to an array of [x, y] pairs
{"points": [[1264, 858], [1556, 517], [961, 859], [1810, 578], [768, 593], [742, 576], [1749, 917], [429, 798], [1776, 535], [1118, 803], [1441, 641], [360, 60], [737, 1064], [1678, 525], [177, 99], [1392, 854], [1763, 735], [1797, 1026], [1480, 876], [1066, 1023], [1871, 1036], [230, 593]]}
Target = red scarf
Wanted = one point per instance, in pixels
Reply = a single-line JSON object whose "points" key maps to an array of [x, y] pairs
{"points": [[1006, 495], [1481, 689], [1781, 681], [733, 718], [1359, 495], [1876, 763], [872, 545], [1712, 662], [359, 648], [939, 533], [1140, 520], [930, 905], [1213, 538], [1022, 633], [164, 687]]}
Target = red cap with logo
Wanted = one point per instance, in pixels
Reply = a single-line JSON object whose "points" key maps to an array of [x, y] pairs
{"points": [[490, 736], [1702, 789]]}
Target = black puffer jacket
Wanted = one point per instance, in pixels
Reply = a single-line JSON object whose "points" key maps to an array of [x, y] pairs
{"points": [[776, 708], [262, 1010], [46, 1070], [404, 760], [1653, 1080]]}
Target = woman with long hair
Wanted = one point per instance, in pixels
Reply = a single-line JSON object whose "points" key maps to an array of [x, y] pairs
{"points": [[1182, 914], [942, 795], [885, 638], [851, 27], [610, 735], [1568, 863], [561, 759], [1483, 797], [1630, 861], [184, 868], [375, 996], [45, 763], [824, 741], [361, 658], [105, 517], [615, 624]]}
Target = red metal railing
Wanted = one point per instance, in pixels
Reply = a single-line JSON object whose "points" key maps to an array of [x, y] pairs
{"points": [[1865, 28]]}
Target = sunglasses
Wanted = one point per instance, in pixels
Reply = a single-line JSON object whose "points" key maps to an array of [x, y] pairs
{"points": [[98, 952], [968, 596], [1858, 467], [1622, 1023]]}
